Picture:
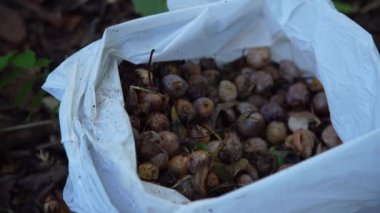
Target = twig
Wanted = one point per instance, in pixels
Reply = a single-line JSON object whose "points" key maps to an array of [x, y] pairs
{"points": [[27, 126], [150, 68]]}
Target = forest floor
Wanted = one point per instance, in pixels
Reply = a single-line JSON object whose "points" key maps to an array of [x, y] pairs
{"points": [[33, 164]]}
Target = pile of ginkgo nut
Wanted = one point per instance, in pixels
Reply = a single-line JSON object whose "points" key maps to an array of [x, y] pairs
{"points": [[205, 130]]}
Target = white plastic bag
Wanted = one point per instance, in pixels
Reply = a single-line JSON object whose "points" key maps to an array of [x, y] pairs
{"points": [[98, 138]]}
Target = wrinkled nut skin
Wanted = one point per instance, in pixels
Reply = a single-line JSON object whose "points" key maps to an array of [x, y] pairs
{"points": [[227, 91], [273, 112], [244, 86], [197, 160], [174, 85], [157, 122], [207, 63], [204, 107], [320, 105], [258, 57], [276, 132], [148, 171], [212, 94], [278, 99], [148, 144], [199, 133], [212, 180], [243, 179], [262, 80], [264, 162], [302, 142], [185, 110], [273, 72], [169, 142], [289, 71], [161, 160], [329, 137], [297, 95], [251, 124], [303, 120], [135, 122], [190, 69], [255, 145], [197, 86], [245, 107], [156, 102], [314, 85], [232, 148], [212, 76], [178, 165], [257, 100]]}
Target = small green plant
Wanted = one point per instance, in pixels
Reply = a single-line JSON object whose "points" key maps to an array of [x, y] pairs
{"points": [[344, 7], [23, 67], [150, 7]]}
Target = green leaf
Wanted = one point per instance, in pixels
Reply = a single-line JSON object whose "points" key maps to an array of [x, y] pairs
{"points": [[345, 7], [25, 90], [4, 60], [25, 60], [279, 154], [150, 7], [42, 62], [9, 77], [200, 146]]}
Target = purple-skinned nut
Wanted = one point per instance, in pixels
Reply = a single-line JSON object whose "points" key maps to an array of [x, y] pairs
{"points": [[169, 142], [273, 72], [289, 71], [190, 69], [148, 171], [212, 76], [185, 110], [276, 132], [197, 86], [251, 124], [255, 145], [257, 100], [279, 98], [262, 80], [204, 107], [245, 107], [161, 160], [178, 165], [207, 63], [157, 122], [273, 111], [227, 91], [330, 137], [147, 146], [231, 148], [155, 102], [244, 86], [174, 85], [297, 95], [258, 57], [320, 105]]}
